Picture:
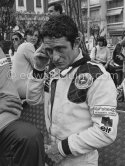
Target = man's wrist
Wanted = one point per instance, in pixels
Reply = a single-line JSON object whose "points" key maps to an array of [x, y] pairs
{"points": [[42, 68], [64, 148]]}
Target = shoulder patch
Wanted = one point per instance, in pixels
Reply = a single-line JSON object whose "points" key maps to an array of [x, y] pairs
{"points": [[82, 81]]}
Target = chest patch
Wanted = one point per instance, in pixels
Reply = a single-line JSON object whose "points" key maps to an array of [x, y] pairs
{"points": [[78, 89], [83, 81]]}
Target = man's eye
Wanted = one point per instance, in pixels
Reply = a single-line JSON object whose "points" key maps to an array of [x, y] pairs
{"points": [[59, 49]]}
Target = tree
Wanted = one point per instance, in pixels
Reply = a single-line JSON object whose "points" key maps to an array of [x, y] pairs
{"points": [[73, 9], [7, 20], [5, 3]]}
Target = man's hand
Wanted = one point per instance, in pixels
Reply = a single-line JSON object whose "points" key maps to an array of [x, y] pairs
{"points": [[10, 104], [120, 57], [41, 59], [54, 153]]}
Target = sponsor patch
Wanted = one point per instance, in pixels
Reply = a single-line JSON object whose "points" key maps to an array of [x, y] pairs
{"points": [[3, 61], [106, 124], [106, 129], [107, 121], [104, 111], [83, 81]]}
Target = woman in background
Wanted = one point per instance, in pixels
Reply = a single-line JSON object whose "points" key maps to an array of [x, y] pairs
{"points": [[16, 39], [101, 53]]}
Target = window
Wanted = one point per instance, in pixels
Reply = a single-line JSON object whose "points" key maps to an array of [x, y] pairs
{"points": [[38, 6], [115, 18], [114, 4], [38, 3], [20, 3], [94, 15]]}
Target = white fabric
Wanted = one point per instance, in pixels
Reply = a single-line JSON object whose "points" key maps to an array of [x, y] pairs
{"points": [[77, 122], [23, 63]]}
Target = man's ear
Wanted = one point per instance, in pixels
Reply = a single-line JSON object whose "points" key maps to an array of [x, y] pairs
{"points": [[77, 42]]}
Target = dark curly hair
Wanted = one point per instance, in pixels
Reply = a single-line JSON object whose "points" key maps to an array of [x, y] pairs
{"points": [[60, 26], [102, 39]]}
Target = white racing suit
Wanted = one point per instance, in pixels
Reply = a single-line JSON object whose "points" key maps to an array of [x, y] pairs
{"points": [[83, 117]]}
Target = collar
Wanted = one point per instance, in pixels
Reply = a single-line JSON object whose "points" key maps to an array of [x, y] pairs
{"points": [[80, 60], [67, 70]]}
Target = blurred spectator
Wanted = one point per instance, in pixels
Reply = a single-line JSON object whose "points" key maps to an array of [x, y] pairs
{"points": [[116, 66], [118, 53], [23, 61], [54, 9], [101, 53], [32, 35], [16, 39]]}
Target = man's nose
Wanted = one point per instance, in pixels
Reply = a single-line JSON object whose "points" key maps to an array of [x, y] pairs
{"points": [[56, 56]]}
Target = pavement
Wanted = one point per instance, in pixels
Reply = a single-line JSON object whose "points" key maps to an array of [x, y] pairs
{"points": [[114, 154]]}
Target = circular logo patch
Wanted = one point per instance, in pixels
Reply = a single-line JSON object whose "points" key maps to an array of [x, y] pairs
{"points": [[83, 81]]}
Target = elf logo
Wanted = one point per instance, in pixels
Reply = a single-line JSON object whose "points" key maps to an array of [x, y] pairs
{"points": [[106, 129]]}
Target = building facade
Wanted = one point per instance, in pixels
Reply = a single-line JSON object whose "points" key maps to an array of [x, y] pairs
{"points": [[115, 19], [30, 12], [33, 6], [107, 15]]}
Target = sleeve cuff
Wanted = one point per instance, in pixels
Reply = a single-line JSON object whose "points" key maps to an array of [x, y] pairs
{"points": [[38, 74], [64, 148]]}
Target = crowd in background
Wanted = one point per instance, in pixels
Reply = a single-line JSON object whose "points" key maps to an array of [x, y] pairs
{"points": [[22, 51]]}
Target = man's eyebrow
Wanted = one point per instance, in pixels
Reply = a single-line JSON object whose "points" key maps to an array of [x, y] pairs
{"points": [[60, 46]]}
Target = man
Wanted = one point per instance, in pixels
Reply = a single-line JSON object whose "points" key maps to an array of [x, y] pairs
{"points": [[21, 144], [79, 96], [117, 62], [54, 9]]}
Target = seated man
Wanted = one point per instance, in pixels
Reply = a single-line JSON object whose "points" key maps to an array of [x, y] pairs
{"points": [[117, 64], [121, 91], [21, 144]]}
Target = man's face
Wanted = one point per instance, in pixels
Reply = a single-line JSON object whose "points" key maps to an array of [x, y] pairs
{"points": [[16, 41], [52, 12], [100, 43], [60, 51]]}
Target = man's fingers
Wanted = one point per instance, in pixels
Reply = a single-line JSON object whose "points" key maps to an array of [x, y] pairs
{"points": [[11, 110], [17, 100], [14, 104]]}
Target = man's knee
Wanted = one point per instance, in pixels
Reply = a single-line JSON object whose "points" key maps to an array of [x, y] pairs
{"points": [[27, 131]]}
